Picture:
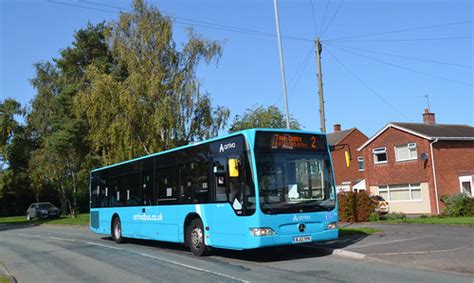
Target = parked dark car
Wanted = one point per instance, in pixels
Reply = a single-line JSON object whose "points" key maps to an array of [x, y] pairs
{"points": [[42, 210]]}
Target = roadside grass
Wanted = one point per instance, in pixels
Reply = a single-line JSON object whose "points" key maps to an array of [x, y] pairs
{"points": [[346, 231], [468, 221], [81, 219], [4, 279]]}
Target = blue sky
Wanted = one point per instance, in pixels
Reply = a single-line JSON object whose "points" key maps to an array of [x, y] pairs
{"points": [[368, 80]]}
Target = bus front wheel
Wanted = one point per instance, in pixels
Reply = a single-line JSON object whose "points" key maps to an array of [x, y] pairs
{"points": [[195, 237], [117, 230]]}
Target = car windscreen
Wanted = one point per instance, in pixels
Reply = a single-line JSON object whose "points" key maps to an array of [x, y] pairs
{"points": [[45, 205]]}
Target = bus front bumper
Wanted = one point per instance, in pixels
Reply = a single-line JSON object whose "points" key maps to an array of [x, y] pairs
{"points": [[279, 240]]}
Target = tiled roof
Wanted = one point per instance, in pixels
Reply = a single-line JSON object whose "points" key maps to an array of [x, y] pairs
{"points": [[336, 137], [439, 130], [429, 131]]}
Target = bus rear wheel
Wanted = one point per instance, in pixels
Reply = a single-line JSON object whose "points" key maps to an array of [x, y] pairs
{"points": [[117, 230], [195, 238]]}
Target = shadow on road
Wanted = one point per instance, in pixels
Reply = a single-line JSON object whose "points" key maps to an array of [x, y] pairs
{"points": [[269, 254]]}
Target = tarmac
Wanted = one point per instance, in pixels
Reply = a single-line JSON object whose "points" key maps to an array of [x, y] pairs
{"points": [[426, 246]]}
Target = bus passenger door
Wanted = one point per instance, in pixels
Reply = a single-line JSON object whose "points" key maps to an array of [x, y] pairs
{"points": [[228, 206]]}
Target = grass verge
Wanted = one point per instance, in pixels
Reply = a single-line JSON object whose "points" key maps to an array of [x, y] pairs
{"points": [[346, 231], [467, 221], [4, 279], [81, 219]]}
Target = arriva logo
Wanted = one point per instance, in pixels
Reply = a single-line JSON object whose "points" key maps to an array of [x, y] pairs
{"points": [[148, 217], [225, 147], [298, 218]]}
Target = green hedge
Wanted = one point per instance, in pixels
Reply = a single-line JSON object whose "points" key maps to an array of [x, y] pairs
{"points": [[458, 205], [355, 207]]}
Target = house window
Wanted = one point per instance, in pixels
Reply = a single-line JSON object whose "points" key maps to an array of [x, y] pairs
{"points": [[404, 192], [360, 163], [405, 152], [380, 155], [466, 183]]}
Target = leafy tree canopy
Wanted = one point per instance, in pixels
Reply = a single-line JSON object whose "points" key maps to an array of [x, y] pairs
{"points": [[158, 104], [261, 117]]}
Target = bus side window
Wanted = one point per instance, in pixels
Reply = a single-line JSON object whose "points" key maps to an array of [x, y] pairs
{"points": [[219, 170], [147, 182], [236, 189], [167, 181]]}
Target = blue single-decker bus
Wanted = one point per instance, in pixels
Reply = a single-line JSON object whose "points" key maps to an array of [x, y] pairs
{"points": [[251, 189]]}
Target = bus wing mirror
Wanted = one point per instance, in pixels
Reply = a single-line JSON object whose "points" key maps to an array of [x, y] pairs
{"points": [[233, 165]]}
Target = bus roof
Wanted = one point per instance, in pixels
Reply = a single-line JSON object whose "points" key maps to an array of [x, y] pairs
{"points": [[244, 132]]}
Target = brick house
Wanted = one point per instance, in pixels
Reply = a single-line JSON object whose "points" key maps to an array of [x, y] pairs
{"points": [[413, 164], [352, 177]]}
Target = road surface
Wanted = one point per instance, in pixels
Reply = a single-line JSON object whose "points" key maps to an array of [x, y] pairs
{"points": [[50, 253]]}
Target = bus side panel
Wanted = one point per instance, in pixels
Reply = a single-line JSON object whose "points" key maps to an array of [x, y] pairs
{"points": [[227, 230], [160, 223]]}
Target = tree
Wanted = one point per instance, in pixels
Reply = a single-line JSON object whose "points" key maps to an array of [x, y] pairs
{"points": [[62, 154], [15, 147], [260, 117], [158, 104]]}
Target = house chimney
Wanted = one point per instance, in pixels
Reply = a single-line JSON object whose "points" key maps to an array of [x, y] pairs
{"points": [[428, 117], [337, 128]]}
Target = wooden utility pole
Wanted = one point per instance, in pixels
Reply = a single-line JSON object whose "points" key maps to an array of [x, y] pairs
{"points": [[322, 117]]}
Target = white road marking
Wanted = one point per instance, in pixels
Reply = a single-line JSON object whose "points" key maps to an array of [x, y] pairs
{"points": [[193, 267], [61, 239], [144, 255], [104, 246], [29, 235], [423, 252], [171, 261], [387, 242]]}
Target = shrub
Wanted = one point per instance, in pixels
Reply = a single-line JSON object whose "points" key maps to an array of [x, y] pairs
{"points": [[458, 205], [423, 216], [374, 217], [394, 216], [355, 207]]}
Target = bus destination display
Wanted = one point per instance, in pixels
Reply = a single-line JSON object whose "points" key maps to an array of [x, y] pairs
{"points": [[285, 141]]}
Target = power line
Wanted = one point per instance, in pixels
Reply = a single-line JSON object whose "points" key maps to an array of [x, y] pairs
{"points": [[366, 86], [402, 30], [314, 19], [405, 68], [81, 6], [184, 21], [297, 75], [302, 69], [332, 19], [402, 56], [406, 39], [324, 17]]}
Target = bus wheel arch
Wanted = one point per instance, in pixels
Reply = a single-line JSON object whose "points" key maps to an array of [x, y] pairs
{"points": [[116, 229], [194, 235]]}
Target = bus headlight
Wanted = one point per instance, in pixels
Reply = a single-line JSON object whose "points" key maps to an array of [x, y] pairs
{"points": [[332, 226], [261, 232]]}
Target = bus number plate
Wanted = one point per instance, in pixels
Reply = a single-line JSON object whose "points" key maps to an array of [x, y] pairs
{"points": [[301, 239]]}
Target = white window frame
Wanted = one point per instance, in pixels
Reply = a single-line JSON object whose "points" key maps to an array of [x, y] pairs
{"points": [[468, 179], [360, 159], [379, 150], [410, 188], [408, 147]]}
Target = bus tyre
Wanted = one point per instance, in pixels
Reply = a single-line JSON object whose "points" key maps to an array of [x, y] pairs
{"points": [[117, 231], [195, 238]]}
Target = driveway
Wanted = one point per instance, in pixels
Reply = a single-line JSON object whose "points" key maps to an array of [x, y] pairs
{"points": [[439, 247]]}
